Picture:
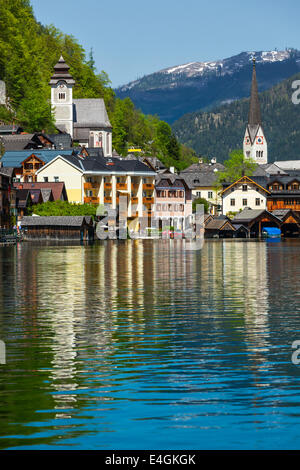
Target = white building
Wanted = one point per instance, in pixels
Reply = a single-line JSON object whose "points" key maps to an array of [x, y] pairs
{"points": [[255, 143], [244, 192], [86, 120]]}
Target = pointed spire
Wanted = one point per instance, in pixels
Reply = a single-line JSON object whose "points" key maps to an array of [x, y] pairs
{"points": [[61, 72], [254, 111]]}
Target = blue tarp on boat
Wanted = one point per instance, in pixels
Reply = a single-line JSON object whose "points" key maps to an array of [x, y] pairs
{"points": [[271, 231]]}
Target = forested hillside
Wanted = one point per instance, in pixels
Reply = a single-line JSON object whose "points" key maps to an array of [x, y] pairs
{"points": [[28, 52], [173, 92], [219, 132]]}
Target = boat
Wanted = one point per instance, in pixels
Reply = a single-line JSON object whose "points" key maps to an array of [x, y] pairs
{"points": [[271, 232]]}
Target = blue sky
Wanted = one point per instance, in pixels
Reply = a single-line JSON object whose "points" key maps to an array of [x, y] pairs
{"points": [[132, 38]]}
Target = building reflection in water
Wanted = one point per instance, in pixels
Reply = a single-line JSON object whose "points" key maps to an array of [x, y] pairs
{"points": [[89, 304]]}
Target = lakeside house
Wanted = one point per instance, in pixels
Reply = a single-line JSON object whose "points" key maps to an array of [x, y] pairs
{"points": [[27, 162], [55, 228], [202, 178], [173, 200], [29, 194], [7, 198], [244, 192], [96, 179]]}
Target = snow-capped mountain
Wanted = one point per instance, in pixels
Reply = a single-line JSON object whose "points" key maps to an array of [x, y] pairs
{"points": [[173, 91]]}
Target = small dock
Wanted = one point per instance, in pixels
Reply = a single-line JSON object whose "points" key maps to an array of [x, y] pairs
{"points": [[8, 237]]}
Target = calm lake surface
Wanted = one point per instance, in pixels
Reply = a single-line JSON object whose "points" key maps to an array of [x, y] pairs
{"points": [[144, 345]]}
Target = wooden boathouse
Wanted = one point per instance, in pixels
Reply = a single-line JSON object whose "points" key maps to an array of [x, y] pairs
{"points": [[58, 228]]}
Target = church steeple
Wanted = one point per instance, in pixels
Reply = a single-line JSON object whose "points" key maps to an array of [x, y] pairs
{"points": [[254, 117], [255, 144], [62, 84], [61, 72]]}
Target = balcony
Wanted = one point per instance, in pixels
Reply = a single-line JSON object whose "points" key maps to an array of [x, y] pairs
{"points": [[134, 200], [134, 187], [91, 185], [148, 186], [148, 200], [107, 185], [122, 186], [91, 200], [107, 200]]}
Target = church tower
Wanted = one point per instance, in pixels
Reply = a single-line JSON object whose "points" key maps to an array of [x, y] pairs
{"points": [[62, 96], [255, 144]]}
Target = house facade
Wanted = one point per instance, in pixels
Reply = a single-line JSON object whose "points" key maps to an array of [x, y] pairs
{"points": [[245, 192], [7, 199], [173, 201], [202, 178], [27, 162], [284, 193], [101, 180]]}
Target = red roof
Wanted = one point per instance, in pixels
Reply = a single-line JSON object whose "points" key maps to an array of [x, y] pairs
{"points": [[58, 189]]}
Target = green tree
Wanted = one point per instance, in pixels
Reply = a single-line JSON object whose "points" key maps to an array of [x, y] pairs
{"points": [[236, 167], [62, 208], [200, 200]]}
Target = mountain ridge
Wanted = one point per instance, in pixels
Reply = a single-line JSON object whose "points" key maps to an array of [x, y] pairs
{"points": [[218, 132], [175, 91]]}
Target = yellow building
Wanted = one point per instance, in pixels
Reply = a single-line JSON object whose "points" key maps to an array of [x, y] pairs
{"points": [[102, 180]]}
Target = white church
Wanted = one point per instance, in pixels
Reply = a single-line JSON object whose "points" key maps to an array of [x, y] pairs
{"points": [[86, 120], [255, 143]]}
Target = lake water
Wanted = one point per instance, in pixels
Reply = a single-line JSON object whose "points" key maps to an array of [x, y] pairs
{"points": [[144, 345]]}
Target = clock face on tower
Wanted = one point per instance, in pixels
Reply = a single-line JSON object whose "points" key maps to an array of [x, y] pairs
{"points": [[247, 141], [259, 140]]}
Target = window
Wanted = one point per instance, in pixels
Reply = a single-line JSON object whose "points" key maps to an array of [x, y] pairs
{"points": [[248, 154], [61, 96], [244, 202], [45, 179], [210, 194], [232, 202], [56, 179], [198, 193], [158, 207], [257, 201], [245, 187]]}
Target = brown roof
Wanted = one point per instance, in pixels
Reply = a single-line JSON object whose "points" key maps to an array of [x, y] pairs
{"points": [[219, 223], [58, 189]]}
